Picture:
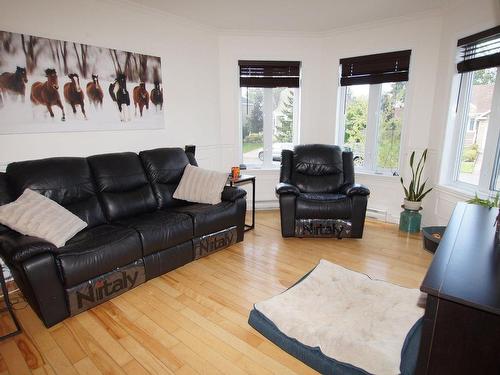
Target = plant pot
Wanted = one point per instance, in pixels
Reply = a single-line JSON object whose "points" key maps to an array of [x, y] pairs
{"points": [[412, 205]]}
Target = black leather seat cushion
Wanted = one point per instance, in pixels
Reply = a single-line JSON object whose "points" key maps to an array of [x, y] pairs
{"points": [[323, 206], [96, 251], [123, 186], [209, 218], [161, 229], [68, 181]]}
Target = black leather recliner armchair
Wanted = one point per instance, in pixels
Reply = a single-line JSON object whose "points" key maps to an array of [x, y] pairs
{"points": [[317, 193]]}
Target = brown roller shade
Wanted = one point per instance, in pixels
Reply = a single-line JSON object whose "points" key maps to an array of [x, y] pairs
{"points": [[269, 73], [378, 68], [479, 51]]}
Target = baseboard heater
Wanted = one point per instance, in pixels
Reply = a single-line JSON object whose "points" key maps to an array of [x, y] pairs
{"points": [[377, 214]]}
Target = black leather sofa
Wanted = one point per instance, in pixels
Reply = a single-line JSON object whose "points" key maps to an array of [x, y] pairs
{"points": [[317, 193], [136, 229]]}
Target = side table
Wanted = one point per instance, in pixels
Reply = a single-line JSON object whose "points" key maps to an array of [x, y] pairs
{"points": [[242, 180], [8, 307]]}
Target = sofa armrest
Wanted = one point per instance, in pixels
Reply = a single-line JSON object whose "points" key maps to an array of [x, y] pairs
{"points": [[232, 193], [355, 189], [284, 188], [18, 248]]}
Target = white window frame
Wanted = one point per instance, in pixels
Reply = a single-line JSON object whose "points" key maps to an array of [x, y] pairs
{"points": [[372, 127], [268, 127], [461, 126]]}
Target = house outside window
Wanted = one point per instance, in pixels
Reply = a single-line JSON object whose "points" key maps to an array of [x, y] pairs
{"points": [[476, 128], [372, 108], [269, 110]]}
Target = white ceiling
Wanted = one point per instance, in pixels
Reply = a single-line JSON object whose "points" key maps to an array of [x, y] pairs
{"points": [[289, 15]]}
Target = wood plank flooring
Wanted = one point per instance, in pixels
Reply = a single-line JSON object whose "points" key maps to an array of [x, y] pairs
{"points": [[194, 320]]}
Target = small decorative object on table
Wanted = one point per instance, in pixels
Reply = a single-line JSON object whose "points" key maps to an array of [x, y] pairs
{"points": [[410, 218], [490, 203]]}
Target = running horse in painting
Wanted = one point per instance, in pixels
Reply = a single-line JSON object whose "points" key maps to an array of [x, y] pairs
{"points": [[94, 91], [141, 97], [13, 83], [121, 96], [73, 93], [47, 93], [157, 95]]}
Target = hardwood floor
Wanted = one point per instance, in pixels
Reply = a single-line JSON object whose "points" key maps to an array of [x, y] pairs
{"points": [[194, 320]]}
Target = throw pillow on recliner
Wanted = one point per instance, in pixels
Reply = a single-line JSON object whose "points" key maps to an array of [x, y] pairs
{"points": [[35, 215], [200, 185]]}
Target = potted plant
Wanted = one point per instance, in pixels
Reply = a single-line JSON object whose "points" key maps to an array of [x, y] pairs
{"points": [[415, 192]]}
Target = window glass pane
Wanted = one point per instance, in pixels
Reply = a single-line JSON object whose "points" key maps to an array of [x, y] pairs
{"points": [[283, 121], [390, 125], [356, 119], [252, 119], [474, 137]]}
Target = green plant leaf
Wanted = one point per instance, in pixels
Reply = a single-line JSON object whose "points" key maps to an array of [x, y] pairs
{"points": [[422, 196]]}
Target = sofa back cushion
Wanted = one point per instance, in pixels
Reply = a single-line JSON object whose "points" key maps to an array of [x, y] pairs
{"points": [[164, 167], [122, 185], [5, 194], [317, 168], [67, 181]]}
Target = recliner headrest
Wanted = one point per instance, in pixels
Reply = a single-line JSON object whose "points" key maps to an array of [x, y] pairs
{"points": [[317, 159]]}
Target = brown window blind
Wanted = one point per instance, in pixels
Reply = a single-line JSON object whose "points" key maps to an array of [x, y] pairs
{"points": [[378, 68], [479, 51], [269, 73]]}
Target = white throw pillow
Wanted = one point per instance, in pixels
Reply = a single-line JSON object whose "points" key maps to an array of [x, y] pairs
{"points": [[201, 185], [35, 215]]}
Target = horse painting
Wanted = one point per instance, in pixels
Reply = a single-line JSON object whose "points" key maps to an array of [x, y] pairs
{"points": [[141, 97], [94, 91], [157, 96], [73, 93], [13, 84], [47, 93], [121, 96]]}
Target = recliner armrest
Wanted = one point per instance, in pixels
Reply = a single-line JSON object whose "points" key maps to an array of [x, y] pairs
{"points": [[232, 193], [284, 188], [17, 247], [355, 189]]}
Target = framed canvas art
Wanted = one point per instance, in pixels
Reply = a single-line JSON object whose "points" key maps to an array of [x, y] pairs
{"points": [[49, 85]]}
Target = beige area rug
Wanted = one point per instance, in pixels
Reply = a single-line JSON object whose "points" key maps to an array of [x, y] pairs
{"points": [[349, 316]]}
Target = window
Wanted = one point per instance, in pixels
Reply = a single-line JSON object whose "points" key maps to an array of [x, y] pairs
{"points": [[373, 92], [476, 129], [269, 102]]}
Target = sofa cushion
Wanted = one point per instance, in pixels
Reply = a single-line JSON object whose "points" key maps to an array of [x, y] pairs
{"points": [[317, 168], [200, 185], [160, 230], [122, 185], [98, 250], [67, 181], [323, 206], [35, 215], [208, 218], [164, 167]]}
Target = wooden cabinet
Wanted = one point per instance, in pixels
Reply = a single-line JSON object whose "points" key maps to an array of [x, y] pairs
{"points": [[461, 330]]}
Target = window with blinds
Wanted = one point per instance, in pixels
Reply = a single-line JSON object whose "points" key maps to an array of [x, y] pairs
{"points": [[476, 133], [479, 51], [269, 73], [373, 69], [269, 110]]}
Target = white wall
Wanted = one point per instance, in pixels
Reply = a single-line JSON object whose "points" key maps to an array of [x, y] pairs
{"points": [[190, 74]]}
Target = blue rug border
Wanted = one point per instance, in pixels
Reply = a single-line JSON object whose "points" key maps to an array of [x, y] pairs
{"points": [[314, 357], [311, 356]]}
